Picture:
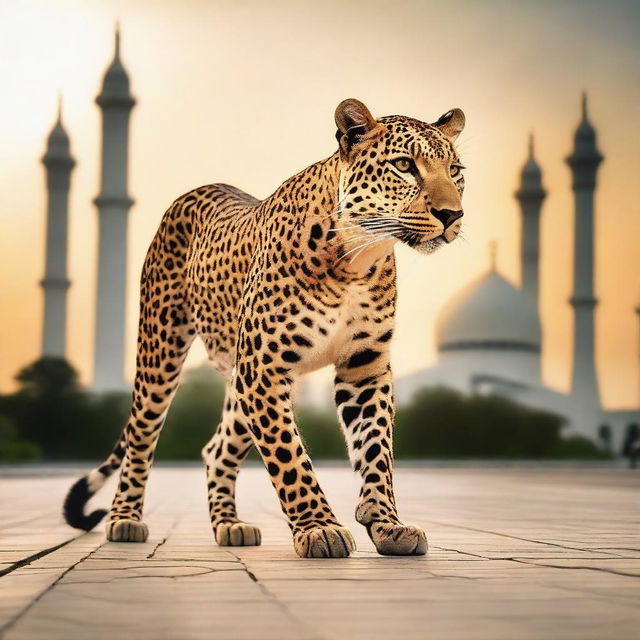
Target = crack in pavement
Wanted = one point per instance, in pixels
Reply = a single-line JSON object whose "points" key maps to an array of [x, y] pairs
{"points": [[374, 580], [171, 528], [155, 566], [464, 553], [581, 568], [523, 560], [519, 557], [206, 571], [153, 553], [615, 549], [273, 598], [36, 556], [508, 535], [12, 621]]}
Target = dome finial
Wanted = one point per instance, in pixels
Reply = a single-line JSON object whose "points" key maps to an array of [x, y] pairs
{"points": [[493, 254], [584, 105], [531, 145]]}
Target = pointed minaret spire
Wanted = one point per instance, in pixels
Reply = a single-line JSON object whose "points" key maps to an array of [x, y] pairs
{"points": [[59, 164], [530, 195], [584, 161], [117, 38]]}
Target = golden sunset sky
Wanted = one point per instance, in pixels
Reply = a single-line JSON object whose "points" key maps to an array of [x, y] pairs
{"points": [[244, 92]]}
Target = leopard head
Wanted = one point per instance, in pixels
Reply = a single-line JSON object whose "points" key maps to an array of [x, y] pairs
{"points": [[400, 177]]}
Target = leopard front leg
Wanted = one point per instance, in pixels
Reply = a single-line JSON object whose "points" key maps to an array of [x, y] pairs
{"points": [[223, 455], [364, 400], [264, 394]]}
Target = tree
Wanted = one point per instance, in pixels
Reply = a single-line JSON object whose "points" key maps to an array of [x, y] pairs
{"points": [[49, 407], [48, 375]]}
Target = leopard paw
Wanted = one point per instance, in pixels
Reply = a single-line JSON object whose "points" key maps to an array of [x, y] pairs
{"points": [[398, 539], [328, 541], [127, 531], [237, 534]]}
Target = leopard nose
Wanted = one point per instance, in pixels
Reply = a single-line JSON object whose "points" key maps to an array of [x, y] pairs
{"points": [[446, 216]]}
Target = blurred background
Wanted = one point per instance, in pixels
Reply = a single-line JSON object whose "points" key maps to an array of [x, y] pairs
{"points": [[521, 340]]}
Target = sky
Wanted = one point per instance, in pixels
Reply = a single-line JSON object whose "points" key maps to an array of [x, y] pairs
{"points": [[244, 92]]}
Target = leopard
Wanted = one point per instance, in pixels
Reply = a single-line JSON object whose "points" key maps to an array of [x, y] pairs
{"points": [[275, 289]]}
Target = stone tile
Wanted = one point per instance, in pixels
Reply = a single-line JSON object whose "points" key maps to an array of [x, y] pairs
{"points": [[514, 553]]}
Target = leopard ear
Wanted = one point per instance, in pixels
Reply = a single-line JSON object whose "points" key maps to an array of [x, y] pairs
{"points": [[355, 124], [451, 123]]}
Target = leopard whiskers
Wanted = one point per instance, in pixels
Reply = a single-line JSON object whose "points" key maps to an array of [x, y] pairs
{"points": [[462, 236], [371, 228], [362, 247]]}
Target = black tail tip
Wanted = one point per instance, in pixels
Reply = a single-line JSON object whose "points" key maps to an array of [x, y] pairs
{"points": [[74, 504]]}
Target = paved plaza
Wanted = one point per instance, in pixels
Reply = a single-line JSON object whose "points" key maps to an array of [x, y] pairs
{"points": [[515, 553]]}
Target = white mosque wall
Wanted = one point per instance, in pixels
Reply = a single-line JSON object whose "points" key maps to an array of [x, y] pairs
{"points": [[460, 369]]}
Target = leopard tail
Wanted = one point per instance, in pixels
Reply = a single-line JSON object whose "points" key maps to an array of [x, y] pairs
{"points": [[84, 489]]}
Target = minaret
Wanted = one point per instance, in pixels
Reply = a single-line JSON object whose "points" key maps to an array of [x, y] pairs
{"points": [[584, 162], [116, 102], [58, 164], [530, 195]]}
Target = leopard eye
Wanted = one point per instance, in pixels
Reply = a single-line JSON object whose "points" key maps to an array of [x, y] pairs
{"points": [[404, 165], [456, 169]]}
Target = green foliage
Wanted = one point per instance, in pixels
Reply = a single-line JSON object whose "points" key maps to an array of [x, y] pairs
{"points": [[51, 417], [12, 448], [321, 433], [193, 416], [577, 447], [442, 423]]}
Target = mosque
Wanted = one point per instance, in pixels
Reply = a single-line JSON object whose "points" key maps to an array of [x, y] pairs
{"points": [[489, 337]]}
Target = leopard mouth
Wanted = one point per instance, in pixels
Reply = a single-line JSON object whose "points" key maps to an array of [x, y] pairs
{"points": [[418, 242], [415, 238]]}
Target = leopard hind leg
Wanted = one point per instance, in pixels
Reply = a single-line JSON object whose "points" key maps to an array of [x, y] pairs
{"points": [[223, 455]]}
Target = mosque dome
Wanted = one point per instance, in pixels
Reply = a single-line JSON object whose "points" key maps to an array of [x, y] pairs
{"points": [[489, 315]]}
